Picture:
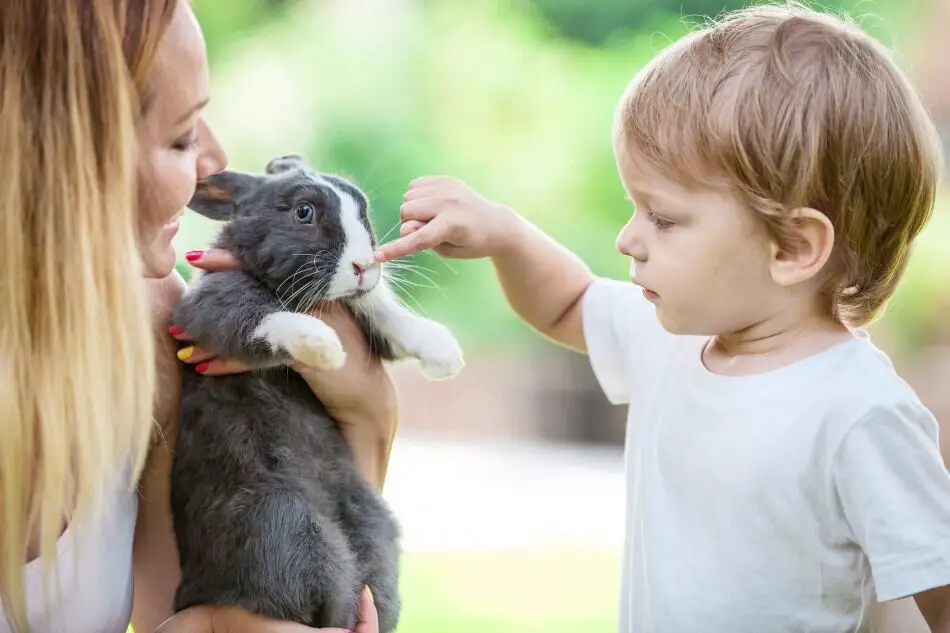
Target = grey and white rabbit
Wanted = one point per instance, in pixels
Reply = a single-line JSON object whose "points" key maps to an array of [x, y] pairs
{"points": [[269, 510]]}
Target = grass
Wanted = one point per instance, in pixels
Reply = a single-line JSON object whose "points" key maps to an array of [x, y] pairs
{"points": [[539, 591], [547, 591]]}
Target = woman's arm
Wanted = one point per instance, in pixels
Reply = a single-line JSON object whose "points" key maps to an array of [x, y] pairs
{"points": [[360, 397], [155, 567], [371, 448]]}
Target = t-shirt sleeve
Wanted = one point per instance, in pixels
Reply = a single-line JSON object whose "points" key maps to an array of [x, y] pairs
{"points": [[895, 493], [619, 326]]}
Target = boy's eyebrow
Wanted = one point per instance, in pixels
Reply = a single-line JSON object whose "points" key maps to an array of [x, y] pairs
{"points": [[647, 196]]}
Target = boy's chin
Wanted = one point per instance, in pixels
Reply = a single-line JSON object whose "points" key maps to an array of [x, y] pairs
{"points": [[674, 324], [668, 321]]}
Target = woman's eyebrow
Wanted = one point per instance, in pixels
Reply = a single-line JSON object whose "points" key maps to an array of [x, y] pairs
{"points": [[198, 106]]}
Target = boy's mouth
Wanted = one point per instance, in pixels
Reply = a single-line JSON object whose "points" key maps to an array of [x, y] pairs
{"points": [[650, 295]]}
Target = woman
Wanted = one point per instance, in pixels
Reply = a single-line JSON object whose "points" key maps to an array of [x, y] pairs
{"points": [[102, 142]]}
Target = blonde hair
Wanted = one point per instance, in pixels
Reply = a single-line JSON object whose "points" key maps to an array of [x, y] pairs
{"points": [[791, 108], [77, 360]]}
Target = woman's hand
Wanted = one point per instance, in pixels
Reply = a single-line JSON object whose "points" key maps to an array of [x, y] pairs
{"points": [[236, 620], [360, 396]]}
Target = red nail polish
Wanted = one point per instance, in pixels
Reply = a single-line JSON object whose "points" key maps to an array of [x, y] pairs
{"points": [[193, 256], [175, 330], [202, 368]]}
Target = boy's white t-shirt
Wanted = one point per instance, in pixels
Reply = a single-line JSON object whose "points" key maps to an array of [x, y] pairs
{"points": [[784, 501]]}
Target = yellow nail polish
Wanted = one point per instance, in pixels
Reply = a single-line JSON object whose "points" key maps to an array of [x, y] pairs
{"points": [[186, 352]]}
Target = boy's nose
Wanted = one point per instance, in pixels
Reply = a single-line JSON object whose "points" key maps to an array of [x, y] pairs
{"points": [[630, 243]]}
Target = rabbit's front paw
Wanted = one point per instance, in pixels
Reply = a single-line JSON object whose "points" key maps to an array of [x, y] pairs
{"points": [[307, 339], [439, 354]]}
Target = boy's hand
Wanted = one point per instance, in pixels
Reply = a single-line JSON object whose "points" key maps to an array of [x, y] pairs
{"points": [[446, 215]]}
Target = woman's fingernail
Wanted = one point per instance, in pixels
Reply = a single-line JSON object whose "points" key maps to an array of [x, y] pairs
{"points": [[370, 592], [175, 330], [186, 352], [202, 368], [193, 256]]}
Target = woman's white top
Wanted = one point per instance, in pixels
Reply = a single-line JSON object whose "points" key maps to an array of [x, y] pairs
{"points": [[94, 569]]}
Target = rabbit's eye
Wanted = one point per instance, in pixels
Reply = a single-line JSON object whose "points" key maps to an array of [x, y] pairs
{"points": [[303, 213]]}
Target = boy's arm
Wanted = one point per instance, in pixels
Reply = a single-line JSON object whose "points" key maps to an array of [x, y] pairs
{"points": [[934, 605], [542, 280], [894, 490], [544, 283]]}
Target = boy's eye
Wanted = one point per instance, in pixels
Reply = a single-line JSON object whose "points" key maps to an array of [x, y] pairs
{"points": [[658, 222]]}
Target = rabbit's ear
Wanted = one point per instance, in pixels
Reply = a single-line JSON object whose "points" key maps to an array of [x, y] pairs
{"points": [[217, 196], [283, 163]]}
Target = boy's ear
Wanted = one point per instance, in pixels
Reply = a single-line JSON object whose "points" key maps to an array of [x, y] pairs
{"points": [[810, 249], [218, 196]]}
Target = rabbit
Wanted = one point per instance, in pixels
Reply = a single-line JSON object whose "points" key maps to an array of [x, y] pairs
{"points": [[269, 510]]}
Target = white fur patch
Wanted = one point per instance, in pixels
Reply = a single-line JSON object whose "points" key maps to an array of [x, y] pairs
{"points": [[306, 338], [411, 335], [357, 249]]}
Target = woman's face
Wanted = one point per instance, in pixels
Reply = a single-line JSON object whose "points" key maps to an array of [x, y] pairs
{"points": [[177, 147]]}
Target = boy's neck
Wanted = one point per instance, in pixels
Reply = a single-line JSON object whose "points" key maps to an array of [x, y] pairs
{"points": [[772, 344]]}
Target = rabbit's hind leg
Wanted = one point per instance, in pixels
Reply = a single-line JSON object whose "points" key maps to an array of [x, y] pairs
{"points": [[374, 536], [288, 564]]}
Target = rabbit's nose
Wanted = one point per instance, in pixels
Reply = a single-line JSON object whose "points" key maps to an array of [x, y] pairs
{"points": [[361, 267]]}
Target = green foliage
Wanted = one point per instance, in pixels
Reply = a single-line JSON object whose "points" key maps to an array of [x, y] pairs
{"points": [[598, 22], [226, 21], [487, 91], [542, 591], [184, 270]]}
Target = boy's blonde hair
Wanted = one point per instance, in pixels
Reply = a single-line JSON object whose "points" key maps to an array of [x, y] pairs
{"points": [[790, 108]]}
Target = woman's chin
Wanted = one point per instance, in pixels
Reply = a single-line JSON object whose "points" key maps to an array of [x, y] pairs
{"points": [[158, 255], [159, 261]]}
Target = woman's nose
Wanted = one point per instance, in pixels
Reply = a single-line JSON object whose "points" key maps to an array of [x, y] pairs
{"points": [[212, 158]]}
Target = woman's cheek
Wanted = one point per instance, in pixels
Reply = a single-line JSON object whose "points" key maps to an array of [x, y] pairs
{"points": [[185, 182], [174, 186]]}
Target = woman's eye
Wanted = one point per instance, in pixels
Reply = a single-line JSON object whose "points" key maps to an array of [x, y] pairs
{"points": [[303, 213], [186, 144]]}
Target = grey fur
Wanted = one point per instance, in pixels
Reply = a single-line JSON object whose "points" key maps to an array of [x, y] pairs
{"points": [[270, 512]]}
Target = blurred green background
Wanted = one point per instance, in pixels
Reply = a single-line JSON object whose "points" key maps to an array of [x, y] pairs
{"points": [[516, 98]]}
